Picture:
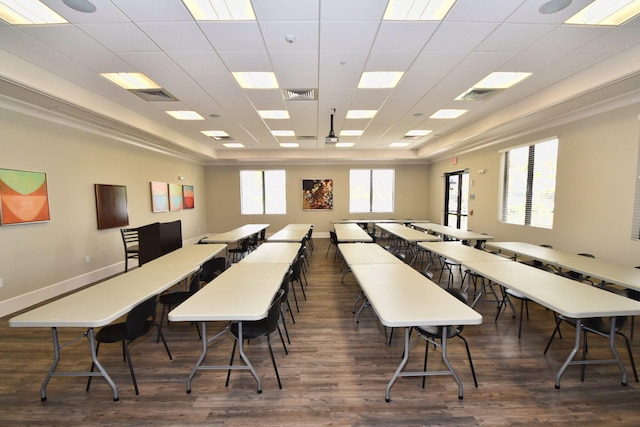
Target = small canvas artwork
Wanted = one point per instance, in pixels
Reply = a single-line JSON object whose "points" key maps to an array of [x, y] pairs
{"points": [[175, 197], [188, 197], [317, 194], [111, 206], [159, 197], [23, 197]]}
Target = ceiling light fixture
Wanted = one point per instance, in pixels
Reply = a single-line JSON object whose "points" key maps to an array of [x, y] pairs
{"points": [[185, 115], [221, 10], [274, 114], [233, 145], [289, 145], [447, 114], [399, 144], [418, 132], [216, 134], [553, 6], [344, 144], [256, 79], [28, 12], [351, 132], [417, 10], [379, 79], [131, 80], [84, 6], [606, 12], [283, 133], [361, 114]]}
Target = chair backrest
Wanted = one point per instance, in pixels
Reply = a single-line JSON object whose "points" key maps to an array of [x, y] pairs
{"points": [[244, 245], [141, 318], [263, 234], [213, 268], [574, 274], [274, 313], [334, 237], [296, 269], [129, 236], [194, 286]]}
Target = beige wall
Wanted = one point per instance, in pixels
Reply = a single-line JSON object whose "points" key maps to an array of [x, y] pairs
{"points": [[223, 196], [41, 260], [597, 161]]}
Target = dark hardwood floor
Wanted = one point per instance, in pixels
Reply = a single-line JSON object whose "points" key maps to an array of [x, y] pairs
{"points": [[335, 374]]}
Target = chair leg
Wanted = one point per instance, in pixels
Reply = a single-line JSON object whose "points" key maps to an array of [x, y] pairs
{"points": [[162, 314], [233, 353], [284, 323], [273, 359], [556, 330], [522, 303], [282, 339], [290, 310], [473, 371], [166, 347], [424, 368], [133, 375], [295, 297]]}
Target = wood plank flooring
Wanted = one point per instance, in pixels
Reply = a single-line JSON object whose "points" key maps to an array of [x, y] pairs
{"points": [[335, 374]]}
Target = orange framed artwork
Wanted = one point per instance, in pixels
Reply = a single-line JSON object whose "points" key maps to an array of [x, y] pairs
{"points": [[23, 197]]}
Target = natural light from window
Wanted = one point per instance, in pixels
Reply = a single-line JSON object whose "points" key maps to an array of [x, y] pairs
{"points": [[263, 192], [371, 190]]}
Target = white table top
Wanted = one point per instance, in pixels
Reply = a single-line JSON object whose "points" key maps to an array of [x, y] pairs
{"points": [[366, 253], [351, 233], [297, 227], [560, 294], [244, 291], [289, 235], [106, 301], [273, 252], [628, 277], [236, 234], [458, 252], [369, 221], [401, 296], [189, 255], [451, 231], [406, 233]]}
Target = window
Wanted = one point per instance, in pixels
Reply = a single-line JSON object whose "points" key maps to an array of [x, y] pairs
{"points": [[529, 184], [371, 190], [263, 192]]}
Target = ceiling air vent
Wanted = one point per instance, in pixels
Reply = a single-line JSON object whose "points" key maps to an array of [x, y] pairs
{"points": [[478, 94], [153, 94], [300, 94], [307, 138]]}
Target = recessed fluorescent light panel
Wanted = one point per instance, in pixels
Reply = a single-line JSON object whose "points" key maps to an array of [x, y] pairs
{"points": [[274, 114], [131, 80], [256, 80], [216, 134], [501, 80], [289, 145], [344, 144], [447, 114], [417, 10], [379, 79], [220, 10], [185, 115], [418, 132], [28, 12], [361, 114], [233, 145], [399, 144], [351, 132], [606, 12], [283, 133]]}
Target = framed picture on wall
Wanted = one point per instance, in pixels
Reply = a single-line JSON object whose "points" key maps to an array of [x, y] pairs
{"points": [[159, 197], [24, 197], [188, 197], [317, 194], [111, 206], [175, 197]]}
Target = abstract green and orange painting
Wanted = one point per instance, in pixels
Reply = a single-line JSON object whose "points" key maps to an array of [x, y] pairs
{"points": [[23, 197]]}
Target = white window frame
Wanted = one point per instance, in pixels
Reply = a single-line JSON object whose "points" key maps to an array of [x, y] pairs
{"points": [[537, 183], [260, 198], [371, 195]]}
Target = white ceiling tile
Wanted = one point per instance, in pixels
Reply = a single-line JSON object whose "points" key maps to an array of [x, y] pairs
{"points": [[341, 10], [154, 10], [408, 36], [347, 35], [514, 37], [459, 36], [120, 37], [246, 61], [65, 38], [233, 36], [567, 38], [287, 10], [479, 11], [152, 63], [199, 62], [164, 35], [305, 35]]}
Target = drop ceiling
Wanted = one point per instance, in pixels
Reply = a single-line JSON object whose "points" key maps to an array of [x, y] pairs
{"points": [[57, 69]]}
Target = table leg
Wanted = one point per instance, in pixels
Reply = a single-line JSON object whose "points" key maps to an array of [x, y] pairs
{"points": [[612, 344], [446, 361], [246, 359], [56, 358], [205, 344], [403, 362], [571, 354]]}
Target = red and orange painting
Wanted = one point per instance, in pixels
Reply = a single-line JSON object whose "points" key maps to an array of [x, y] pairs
{"points": [[23, 197]]}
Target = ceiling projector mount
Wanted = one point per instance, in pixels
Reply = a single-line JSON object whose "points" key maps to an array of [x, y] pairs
{"points": [[331, 138]]}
